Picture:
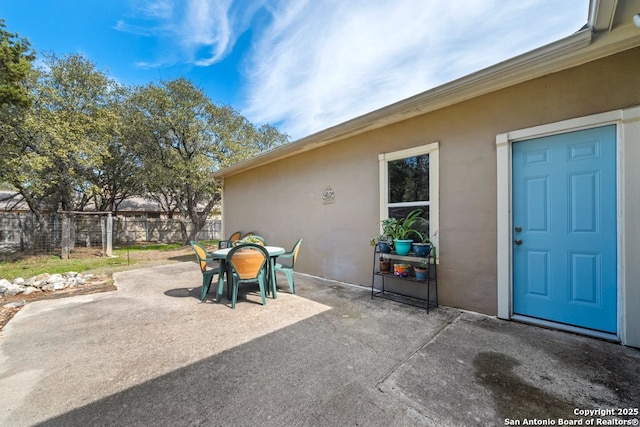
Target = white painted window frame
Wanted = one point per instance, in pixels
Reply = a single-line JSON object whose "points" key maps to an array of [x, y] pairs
{"points": [[627, 123], [433, 150]]}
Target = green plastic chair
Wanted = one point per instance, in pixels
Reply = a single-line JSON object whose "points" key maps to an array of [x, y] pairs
{"points": [[207, 275], [288, 269], [248, 265], [223, 244]]}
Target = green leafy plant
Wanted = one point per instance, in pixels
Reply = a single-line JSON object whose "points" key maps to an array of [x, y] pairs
{"points": [[423, 237], [424, 264], [387, 233], [383, 238], [251, 239], [402, 228]]}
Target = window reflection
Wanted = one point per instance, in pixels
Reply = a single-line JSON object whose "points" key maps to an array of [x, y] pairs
{"points": [[409, 179]]}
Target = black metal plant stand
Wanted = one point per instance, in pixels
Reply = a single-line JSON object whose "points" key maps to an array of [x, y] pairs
{"points": [[386, 279]]}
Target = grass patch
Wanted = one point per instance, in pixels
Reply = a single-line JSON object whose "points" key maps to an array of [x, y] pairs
{"points": [[35, 265], [125, 258]]}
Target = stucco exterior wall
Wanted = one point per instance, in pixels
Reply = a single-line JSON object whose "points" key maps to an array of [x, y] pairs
{"points": [[283, 200]]}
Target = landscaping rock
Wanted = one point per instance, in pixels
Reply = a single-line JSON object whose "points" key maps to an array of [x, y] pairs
{"points": [[4, 284], [40, 277], [15, 304], [13, 290], [43, 282]]}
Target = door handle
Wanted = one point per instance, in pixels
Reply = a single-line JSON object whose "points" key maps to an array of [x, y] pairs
{"points": [[518, 242]]}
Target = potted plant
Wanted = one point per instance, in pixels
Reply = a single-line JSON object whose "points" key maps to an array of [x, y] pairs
{"points": [[251, 239], [423, 247], [422, 269], [384, 242], [385, 265], [384, 248], [401, 230]]}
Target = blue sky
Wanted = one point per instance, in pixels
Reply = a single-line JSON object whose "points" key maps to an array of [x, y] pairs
{"points": [[302, 65]]}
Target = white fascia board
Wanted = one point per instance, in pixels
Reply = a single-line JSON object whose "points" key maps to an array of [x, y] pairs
{"points": [[562, 54]]}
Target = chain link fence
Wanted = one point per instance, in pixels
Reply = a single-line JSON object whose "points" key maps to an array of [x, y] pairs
{"points": [[62, 234]]}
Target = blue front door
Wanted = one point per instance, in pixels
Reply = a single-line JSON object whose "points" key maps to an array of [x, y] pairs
{"points": [[564, 228]]}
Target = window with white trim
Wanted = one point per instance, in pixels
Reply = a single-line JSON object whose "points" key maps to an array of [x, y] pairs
{"points": [[409, 180]]}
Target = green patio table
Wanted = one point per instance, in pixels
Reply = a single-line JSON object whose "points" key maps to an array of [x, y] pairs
{"points": [[221, 254]]}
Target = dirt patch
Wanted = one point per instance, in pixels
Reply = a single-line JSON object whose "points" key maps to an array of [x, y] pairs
{"points": [[102, 281]]}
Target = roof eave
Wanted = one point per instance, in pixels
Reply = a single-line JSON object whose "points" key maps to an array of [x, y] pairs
{"points": [[562, 54]]}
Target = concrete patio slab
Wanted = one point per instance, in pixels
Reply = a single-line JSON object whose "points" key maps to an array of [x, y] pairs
{"points": [[152, 354], [482, 371]]}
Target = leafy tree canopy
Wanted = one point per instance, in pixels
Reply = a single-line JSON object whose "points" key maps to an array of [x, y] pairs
{"points": [[182, 137], [84, 140], [16, 58]]}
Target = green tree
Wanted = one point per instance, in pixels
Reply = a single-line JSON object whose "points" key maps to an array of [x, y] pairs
{"points": [[183, 137], [238, 139], [86, 141], [118, 178], [16, 58], [178, 149], [74, 106], [54, 147]]}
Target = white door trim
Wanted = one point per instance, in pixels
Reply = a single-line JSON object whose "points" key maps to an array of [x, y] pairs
{"points": [[628, 200]]}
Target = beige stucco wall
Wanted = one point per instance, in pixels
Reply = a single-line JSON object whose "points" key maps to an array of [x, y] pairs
{"points": [[283, 200]]}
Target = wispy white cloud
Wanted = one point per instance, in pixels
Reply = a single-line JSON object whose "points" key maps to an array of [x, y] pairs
{"points": [[158, 9], [320, 63], [199, 32], [314, 64], [206, 24]]}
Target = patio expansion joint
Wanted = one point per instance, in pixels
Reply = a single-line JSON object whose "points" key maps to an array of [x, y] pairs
{"points": [[406, 359], [420, 414]]}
